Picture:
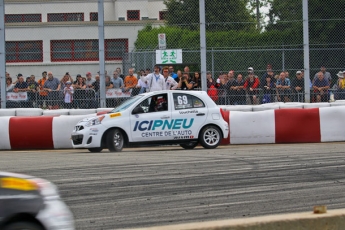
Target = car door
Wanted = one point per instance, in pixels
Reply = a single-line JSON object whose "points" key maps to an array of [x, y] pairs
{"points": [[151, 119], [189, 113]]}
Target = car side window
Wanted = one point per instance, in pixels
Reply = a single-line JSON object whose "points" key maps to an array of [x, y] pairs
{"points": [[156, 103], [187, 101]]}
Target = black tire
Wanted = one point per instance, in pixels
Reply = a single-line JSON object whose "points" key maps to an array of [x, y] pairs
{"points": [[190, 145], [23, 226], [115, 140], [210, 137], [95, 150]]}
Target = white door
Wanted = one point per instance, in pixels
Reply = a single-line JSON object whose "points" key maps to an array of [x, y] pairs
{"points": [[151, 119]]}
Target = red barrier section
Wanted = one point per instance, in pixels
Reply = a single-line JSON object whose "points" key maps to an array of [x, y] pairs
{"points": [[297, 125], [226, 117], [31, 132]]}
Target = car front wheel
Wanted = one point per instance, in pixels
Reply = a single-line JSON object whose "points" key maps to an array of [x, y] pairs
{"points": [[115, 140], [210, 137]]}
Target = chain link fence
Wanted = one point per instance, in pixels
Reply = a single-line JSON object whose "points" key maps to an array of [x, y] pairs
{"points": [[251, 59]]}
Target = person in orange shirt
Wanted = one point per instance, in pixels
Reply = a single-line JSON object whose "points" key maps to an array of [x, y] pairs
{"points": [[42, 93], [130, 81]]}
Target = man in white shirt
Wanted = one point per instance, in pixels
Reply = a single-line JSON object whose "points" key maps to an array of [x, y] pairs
{"points": [[170, 83], [155, 81]]}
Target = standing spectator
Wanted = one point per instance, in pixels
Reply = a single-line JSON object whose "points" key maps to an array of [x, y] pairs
{"points": [[110, 102], [147, 71], [68, 95], [269, 72], [18, 76], [9, 85], [212, 86], [117, 81], [118, 70], [340, 86], [130, 81], [155, 80], [187, 71], [298, 86], [237, 87], [52, 85], [65, 79], [142, 86], [79, 87], [95, 87], [183, 83], [170, 83], [268, 87], [321, 86], [223, 89], [230, 92], [89, 93], [196, 81], [21, 86], [326, 75], [283, 87], [171, 72], [33, 88], [42, 94], [251, 85], [89, 80], [9, 88]]}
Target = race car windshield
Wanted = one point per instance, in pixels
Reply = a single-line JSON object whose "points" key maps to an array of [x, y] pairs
{"points": [[126, 104]]}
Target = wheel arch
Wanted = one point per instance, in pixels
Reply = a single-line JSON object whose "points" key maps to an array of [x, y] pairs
{"points": [[211, 124], [104, 137]]}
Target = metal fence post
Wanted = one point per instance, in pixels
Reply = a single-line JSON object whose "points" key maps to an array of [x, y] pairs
{"points": [[203, 44], [2, 55], [101, 53], [306, 51]]}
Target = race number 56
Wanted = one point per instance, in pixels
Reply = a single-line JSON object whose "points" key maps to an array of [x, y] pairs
{"points": [[182, 100]]}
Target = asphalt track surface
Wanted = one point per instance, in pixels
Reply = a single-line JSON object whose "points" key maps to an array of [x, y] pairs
{"points": [[142, 187]]}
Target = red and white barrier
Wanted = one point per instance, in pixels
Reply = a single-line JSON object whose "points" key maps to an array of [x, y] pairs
{"points": [[286, 126], [269, 126]]}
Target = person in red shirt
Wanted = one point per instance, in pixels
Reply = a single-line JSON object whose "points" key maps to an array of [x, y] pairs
{"points": [[251, 86]]}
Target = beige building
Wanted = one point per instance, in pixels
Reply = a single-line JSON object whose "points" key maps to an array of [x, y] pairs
{"points": [[62, 35]]}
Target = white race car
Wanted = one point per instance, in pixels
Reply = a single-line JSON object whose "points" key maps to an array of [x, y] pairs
{"points": [[187, 118]]}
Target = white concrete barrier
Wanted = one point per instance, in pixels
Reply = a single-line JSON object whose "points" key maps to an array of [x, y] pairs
{"points": [[103, 109], [252, 128], [81, 111], [7, 112], [4, 133], [56, 112], [290, 105], [332, 124], [243, 108], [29, 112], [316, 105], [264, 107]]}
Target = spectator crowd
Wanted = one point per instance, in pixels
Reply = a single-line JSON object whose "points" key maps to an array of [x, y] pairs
{"points": [[229, 88]]}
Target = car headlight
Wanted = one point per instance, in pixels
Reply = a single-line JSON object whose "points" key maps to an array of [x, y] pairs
{"points": [[94, 121]]}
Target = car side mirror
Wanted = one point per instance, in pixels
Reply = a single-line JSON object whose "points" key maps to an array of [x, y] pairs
{"points": [[138, 110]]}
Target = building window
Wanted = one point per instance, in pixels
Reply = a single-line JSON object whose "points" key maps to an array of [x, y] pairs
{"points": [[10, 18], [162, 15], [87, 50], [24, 51], [133, 15], [94, 16], [64, 17]]}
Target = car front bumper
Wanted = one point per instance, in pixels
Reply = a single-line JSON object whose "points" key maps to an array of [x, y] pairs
{"points": [[86, 137]]}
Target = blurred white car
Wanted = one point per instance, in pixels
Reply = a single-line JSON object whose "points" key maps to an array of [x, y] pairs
{"points": [[31, 203], [187, 118]]}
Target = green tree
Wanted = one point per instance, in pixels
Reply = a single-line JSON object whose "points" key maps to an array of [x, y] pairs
{"points": [[221, 15]]}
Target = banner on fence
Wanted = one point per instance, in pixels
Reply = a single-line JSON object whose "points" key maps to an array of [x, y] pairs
{"points": [[113, 93], [21, 96], [169, 56]]}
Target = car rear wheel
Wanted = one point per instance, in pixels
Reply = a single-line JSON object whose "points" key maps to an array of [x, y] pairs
{"points": [[95, 150], [190, 145], [115, 140], [23, 226], [210, 137]]}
